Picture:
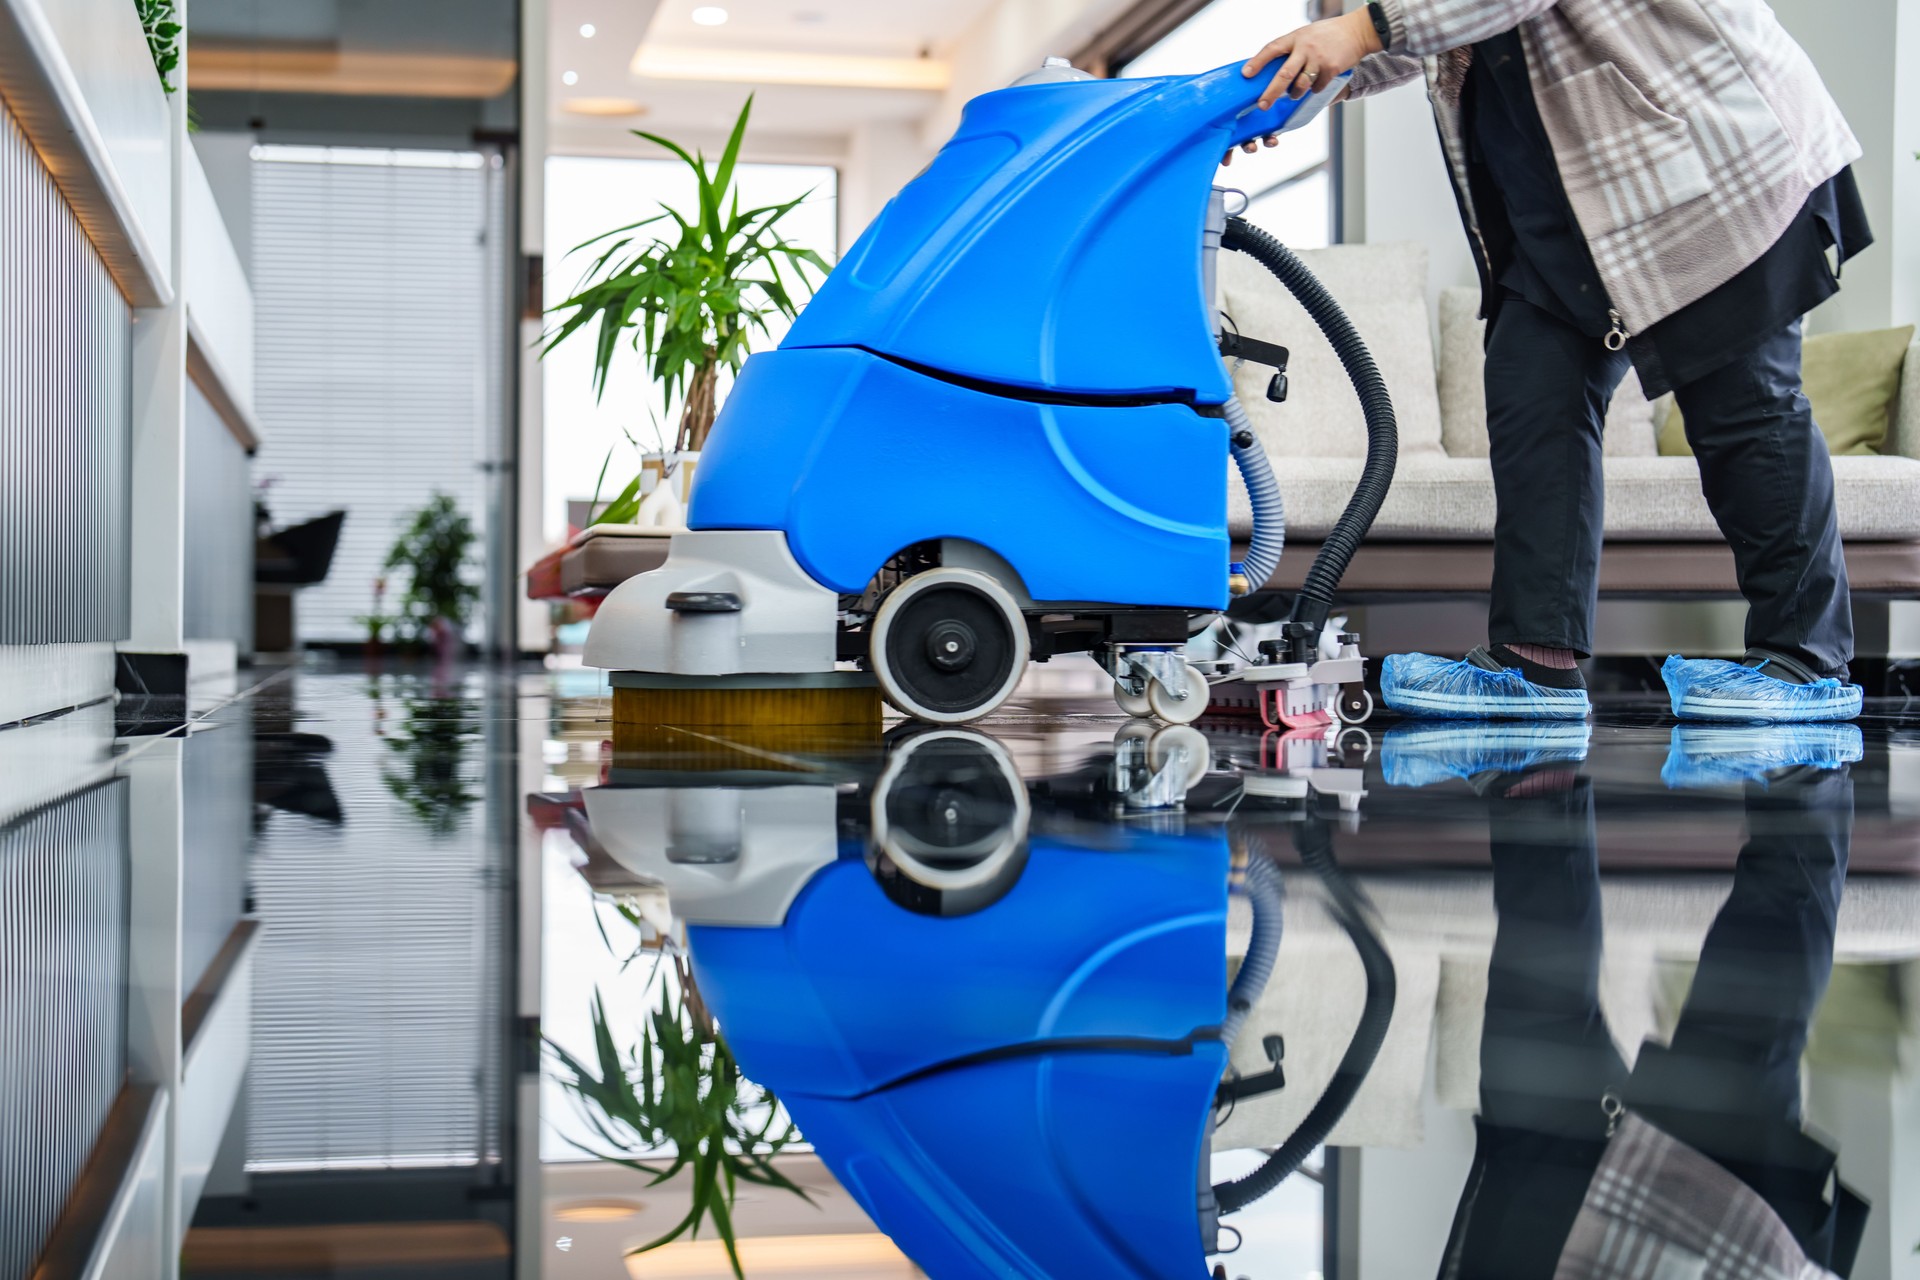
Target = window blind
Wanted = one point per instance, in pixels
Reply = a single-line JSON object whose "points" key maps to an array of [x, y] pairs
{"points": [[379, 334]]}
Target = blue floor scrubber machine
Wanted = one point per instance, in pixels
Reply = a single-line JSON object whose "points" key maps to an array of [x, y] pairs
{"points": [[999, 432]]}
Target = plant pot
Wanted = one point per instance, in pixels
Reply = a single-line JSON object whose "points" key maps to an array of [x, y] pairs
{"points": [[446, 639], [651, 467], [665, 503]]}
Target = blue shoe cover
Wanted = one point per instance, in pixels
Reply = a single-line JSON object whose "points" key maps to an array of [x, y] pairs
{"points": [[1712, 755], [1419, 755], [1418, 684], [1715, 689]]}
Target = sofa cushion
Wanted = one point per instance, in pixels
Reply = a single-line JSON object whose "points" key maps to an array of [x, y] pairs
{"points": [[1852, 380], [1382, 288], [1463, 389], [1647, 498]]}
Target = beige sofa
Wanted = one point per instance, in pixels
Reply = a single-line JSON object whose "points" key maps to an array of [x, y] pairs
{"points": [[1434, 532]]}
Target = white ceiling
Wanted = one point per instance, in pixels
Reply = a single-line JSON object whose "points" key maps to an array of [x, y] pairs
{"points": [[787, 118], [896, 28]]}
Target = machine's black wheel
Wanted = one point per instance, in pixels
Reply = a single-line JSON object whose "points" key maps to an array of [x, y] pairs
{"points": [[948, 645], [949, 829]]}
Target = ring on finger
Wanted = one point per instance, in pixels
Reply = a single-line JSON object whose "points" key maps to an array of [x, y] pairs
{"points": [[1310, 75]]}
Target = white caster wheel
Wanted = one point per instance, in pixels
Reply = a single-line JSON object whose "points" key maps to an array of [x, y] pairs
{"points": [[1186, 742], [1136, 705], [1354, 746], [1355, 704], [948, 645], [1168, 705]]}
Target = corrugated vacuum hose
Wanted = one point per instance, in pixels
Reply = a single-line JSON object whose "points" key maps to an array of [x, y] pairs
{"points": [[1314, 841], [1315, 600]]}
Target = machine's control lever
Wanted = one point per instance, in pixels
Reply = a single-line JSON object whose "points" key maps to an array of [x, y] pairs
{"points": [[1236, 346], [703, 602]]}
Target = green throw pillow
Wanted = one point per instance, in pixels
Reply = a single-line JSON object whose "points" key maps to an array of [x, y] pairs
{"points": [[1852, 379]]}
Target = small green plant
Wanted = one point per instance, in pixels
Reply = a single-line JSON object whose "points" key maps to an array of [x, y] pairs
{"points": [[693, 302], [434, 551], [681, 1089], [160, 20]]}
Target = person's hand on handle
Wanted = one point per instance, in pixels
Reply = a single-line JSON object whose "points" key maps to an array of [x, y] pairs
{"points": [[1308, 58]]}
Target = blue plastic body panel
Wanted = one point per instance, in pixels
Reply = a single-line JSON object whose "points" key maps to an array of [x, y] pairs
{"points": [[856, 458], [854, 993], [1055, 242], [1062, 1167]]}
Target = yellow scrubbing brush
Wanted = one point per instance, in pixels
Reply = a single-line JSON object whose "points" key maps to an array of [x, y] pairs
{"points": [[837, 698]]}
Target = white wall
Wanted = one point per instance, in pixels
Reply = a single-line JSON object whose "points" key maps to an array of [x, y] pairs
{"points": [[1397, 186], [1906, 168], [227, 161], [881, 158], [1857, 59], [1010, 39], [219, 294]]}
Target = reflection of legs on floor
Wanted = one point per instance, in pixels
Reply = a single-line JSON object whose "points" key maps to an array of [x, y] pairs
{"points": [[1545, 1055], [1546, 1059], [1729, 1084]]}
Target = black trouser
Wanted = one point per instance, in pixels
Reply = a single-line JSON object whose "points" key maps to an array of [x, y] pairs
{"points": [[1729, 1083], [1763, 467]]}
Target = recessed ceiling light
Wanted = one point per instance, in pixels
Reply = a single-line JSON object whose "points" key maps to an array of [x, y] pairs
{"points": [[710, 15], [603, 107], [570, 77], [810, 17], [611, 1210], [586, 30]]}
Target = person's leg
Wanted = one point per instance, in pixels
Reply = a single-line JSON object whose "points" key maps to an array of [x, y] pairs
{"points": [[1548, 387], [1765, 471]]}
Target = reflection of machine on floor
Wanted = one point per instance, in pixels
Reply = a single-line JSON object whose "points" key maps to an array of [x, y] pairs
{"points": [[1003, 1028], [999, 432]]}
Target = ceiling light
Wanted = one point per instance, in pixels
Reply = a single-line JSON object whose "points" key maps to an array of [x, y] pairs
{"points": [[598, 1211], [710, 15], [586, 31], [869, 1254], [746, 66], [809, 17], [603, 107], [570, 77]]}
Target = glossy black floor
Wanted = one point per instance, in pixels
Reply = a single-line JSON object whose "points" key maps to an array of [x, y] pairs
{"points": [[1480, 993]]}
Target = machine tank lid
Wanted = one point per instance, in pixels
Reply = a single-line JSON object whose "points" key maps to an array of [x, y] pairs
{"points": [[1053, 71]]}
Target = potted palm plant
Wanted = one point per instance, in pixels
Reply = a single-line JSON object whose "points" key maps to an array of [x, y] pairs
{"points": [[691, 292], [435, 551]]}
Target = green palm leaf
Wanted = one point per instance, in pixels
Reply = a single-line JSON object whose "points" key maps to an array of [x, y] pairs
{"points": [[692, 298]]}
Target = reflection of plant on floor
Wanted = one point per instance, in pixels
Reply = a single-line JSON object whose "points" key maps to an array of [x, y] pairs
{"points": [[431, 739], [680, 1089]]}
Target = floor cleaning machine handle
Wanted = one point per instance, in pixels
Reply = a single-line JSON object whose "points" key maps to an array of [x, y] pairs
{"points": [[1315, 600]]}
